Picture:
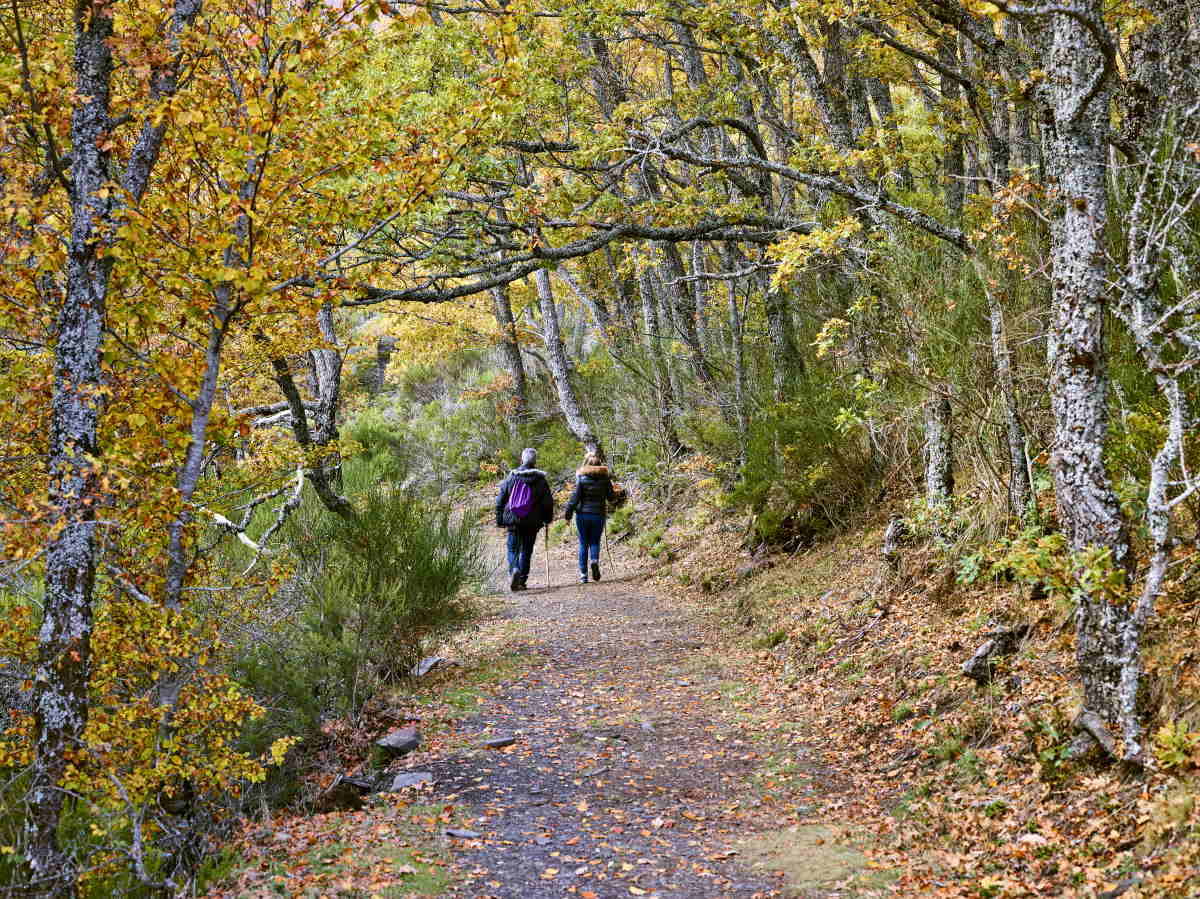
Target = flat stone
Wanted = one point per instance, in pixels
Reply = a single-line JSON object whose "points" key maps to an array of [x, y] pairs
{"points": [[462, 834], [400, 742], [499, 742], [409, 779], [426, 665]]}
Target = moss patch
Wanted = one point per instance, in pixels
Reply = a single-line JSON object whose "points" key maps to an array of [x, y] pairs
{"points": [[810, 856]]}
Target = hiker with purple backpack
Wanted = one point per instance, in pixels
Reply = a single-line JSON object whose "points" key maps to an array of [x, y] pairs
{"points": [[525, 505]]}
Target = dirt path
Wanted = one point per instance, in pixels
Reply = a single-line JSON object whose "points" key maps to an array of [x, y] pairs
{"points": [[629, 776]]}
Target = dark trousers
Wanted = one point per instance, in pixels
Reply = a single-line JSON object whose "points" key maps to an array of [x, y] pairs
{"points": [[591, 529], [520, 550]]}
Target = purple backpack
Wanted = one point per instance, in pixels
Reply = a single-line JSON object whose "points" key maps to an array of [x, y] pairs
{"points": [[520, 500]]}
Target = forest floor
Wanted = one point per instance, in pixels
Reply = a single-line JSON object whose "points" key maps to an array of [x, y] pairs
{"points": [[642, 765], [710, 724]]}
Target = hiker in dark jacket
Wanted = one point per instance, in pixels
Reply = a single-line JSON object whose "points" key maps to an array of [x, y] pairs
{"points": [[525, 505], [589, 504]]}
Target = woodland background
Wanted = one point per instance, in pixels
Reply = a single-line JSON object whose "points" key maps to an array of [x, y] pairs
{"points": [[283, 281]]}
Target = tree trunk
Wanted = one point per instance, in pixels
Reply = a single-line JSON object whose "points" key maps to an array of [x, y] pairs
{"points": [[786, 362], [1020, 491], [1158, 53], [846, 90], [626, 292], [736, 333], [999, 142], [326, 366], [316, 473], [885, 113], [556, 357], [952, 141], [76, 492], [665, 394], [385, 346], [700, 291], [507, 327], [1024, 153], [939, 449], [682, 309], [1088, 506]]}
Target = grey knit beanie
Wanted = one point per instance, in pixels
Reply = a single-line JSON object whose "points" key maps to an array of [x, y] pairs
{"points": [[528, 457]]}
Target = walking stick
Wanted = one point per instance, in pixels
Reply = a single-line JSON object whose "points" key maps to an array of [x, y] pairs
{"points": [[547, 555]]}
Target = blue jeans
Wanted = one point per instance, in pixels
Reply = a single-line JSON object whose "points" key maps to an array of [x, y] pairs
{"points": [[520, 550], [591, 529]]}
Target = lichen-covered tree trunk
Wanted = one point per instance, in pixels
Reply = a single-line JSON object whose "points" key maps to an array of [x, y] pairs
{"points": [[502, 309], [664, 391], [738, 352], [385, 346], [1089, 510], [1020, 491], [316, 473], [885, 112], [700, 290], [1160, 125], [76, 492], [787, 365], [626, 299], [560, 370], [939, 448], [326, 365], [1024, 153], [952, 139]]}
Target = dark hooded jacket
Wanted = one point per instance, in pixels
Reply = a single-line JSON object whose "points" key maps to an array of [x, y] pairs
{"points": [[593, 491], [543, 501]]}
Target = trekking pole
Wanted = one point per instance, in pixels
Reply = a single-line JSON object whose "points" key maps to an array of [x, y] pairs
{"points": [[608, 550], [547, 556]]}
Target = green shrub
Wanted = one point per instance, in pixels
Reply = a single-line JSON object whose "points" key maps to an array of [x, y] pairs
{"points": [[380, 439], [806, 469], [620, 522], [368, 598]]}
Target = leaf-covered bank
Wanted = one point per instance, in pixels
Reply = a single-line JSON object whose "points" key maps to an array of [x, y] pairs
{"points": [[971, 786]]}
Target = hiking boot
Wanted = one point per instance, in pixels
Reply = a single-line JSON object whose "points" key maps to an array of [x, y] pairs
{"points": [[524, 585], [595, 571], [583, 577], [515, 584]]}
